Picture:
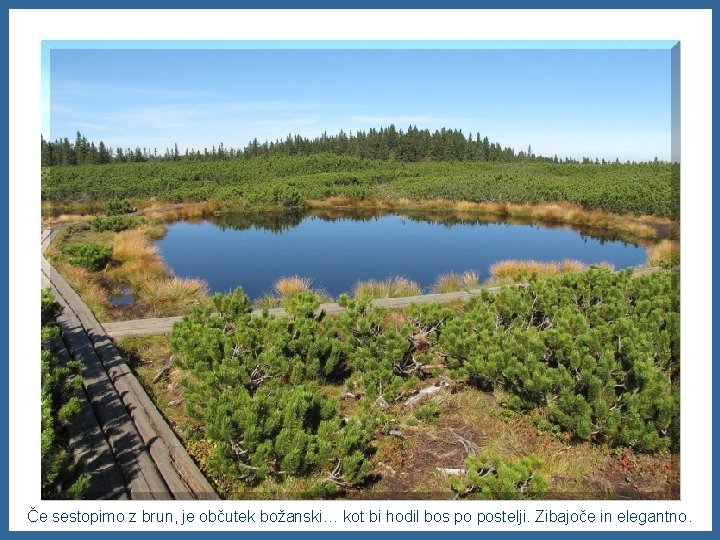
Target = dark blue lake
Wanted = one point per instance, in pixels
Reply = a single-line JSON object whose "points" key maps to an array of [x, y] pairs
{"points": [[337, 250]]}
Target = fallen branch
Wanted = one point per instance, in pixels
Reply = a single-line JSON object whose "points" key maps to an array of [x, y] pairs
{"points": [[425, 392], [164, 369], [452, 472], [469, 446]]}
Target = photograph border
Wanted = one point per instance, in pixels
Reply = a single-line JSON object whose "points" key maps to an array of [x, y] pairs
{"points": [[275, 4]]}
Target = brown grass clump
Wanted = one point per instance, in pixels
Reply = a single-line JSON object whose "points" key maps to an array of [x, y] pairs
{"points": [[338, 201], [401, 286], [173, 212], [568, 266], [286, 288], [138, 270], [396, 287], [134, 244], [511, 271], [268, 301], [86, 284], [371, 289], [290, 286], [172, 294], [664, 252], [138, 256], [161, 294], [466, 206], [451, 282], [155, 231], [65, 218]]}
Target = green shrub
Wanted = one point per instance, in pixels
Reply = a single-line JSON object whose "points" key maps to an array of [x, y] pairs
{"points": [[253, 384], [600, 351], [77, 227], [642, 188], [91, 256], [49, 309], [60, 477], [428, 411], [116, 207], [491, 476], [115, 223]]}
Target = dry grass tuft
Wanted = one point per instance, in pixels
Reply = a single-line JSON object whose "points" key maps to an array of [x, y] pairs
{"points": [[452, 282], [85, 283], [138, 270], [268, 301], [160, 293], [569, 266], [65, 218], [401, 286], [155, 231], [173, 212], [134, 244], [664, 252], [511, 271], [171, 294], [286, 288], [290, 286], [396, 287], [371, 289], [338, 201]]}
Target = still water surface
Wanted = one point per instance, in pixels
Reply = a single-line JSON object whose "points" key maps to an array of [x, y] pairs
{"points": [[337, 251]]}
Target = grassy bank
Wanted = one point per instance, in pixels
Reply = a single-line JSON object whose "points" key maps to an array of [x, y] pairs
{"points": [[629, 227], [134, 267], [636, 227]]}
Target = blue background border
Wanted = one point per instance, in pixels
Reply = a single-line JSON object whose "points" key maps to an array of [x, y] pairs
{"points": [[362, 4], [316, 4]]}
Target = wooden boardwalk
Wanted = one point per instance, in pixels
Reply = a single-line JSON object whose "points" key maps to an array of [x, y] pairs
{"points": [[125, 443], [143, 327]]}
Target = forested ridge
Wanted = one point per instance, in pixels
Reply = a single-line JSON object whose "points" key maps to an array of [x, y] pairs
{"points": [[387, 144]]}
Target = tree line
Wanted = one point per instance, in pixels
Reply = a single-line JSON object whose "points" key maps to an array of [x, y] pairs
{"points": [[388, 144]]}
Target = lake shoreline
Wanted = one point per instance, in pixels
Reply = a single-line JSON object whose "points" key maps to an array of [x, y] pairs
{"points": [[437, 210]]}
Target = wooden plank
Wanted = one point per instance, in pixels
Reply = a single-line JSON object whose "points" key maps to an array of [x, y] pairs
{"points": [[142, 478], [143, 327], [140, 327], [179, 470], [89, 446]]}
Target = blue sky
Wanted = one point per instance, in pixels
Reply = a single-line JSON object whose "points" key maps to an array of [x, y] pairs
{"points": [[598, 102]]}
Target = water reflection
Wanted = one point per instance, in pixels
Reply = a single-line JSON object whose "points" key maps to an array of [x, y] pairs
{"points": [[279, 222]]}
